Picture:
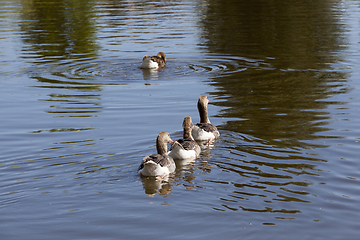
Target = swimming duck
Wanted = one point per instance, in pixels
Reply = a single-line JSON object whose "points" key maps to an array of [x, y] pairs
{"points": [[204, 131], [158, 164], [157, 61], [187, 147]]}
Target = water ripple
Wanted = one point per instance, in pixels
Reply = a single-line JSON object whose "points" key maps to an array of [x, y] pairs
{"points": [[114, 70]]}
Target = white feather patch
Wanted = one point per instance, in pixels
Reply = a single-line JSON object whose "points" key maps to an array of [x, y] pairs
{"points": [[148, 63], [201, 135], [178, 152], [153, 169]]}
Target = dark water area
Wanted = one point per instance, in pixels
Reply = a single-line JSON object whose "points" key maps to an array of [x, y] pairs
{"points": [[78, 116]]}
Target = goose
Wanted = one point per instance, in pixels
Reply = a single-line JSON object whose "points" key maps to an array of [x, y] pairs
{"points": [[187, 147], [157, 61], [158, 164], [204, 131]]}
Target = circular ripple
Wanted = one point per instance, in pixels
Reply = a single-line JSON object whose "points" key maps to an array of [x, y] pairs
{"points": [[125, 71]]}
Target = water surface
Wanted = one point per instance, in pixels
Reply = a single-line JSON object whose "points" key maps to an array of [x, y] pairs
{"points": [[79, 115]]}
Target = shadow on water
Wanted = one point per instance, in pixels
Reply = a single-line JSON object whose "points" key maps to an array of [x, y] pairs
{"points": [[294, 35], [274, 118], [288, 102], [58, 30], [58, 33]]}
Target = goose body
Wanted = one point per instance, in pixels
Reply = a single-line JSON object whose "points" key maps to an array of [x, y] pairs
{"points": [[187, 147], [158, 164], [204, 131], [180, 150], [157, 61]]}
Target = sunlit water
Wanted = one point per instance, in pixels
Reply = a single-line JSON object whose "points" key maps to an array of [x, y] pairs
{"points": [[78, 115]]}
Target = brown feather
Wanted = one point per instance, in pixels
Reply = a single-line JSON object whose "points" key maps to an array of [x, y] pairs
{"points": [[187, 144], [162, 160], [159, 59]]}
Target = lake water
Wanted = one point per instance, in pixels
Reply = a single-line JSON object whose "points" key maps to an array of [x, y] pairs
{"points": [[78, 115]]}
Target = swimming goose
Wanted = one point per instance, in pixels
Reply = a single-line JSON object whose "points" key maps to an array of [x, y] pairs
{"points": [[158, 164], [157, 61], [187, 147], [204, 131]]}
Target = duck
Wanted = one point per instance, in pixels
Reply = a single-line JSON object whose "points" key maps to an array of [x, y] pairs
{"points": [[159, 164], [157, 61], [187, 147], [204, 131]]}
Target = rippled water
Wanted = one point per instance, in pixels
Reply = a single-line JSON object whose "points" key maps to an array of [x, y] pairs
{"points": [[79, 115]]}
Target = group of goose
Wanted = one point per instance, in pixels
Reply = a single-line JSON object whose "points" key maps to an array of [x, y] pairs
{"points": [[162, 163]]}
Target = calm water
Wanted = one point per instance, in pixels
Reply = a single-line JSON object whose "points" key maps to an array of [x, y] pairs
{"points": [[78, 115]]}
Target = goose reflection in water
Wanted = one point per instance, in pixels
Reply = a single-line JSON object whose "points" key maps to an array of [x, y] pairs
{"points": [[153, 186], [184, 175]]}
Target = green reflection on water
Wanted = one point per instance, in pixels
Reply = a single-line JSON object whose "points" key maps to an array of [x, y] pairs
{"points": [[59, 29], [275, 113], [297, 34], [286, 104]]}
